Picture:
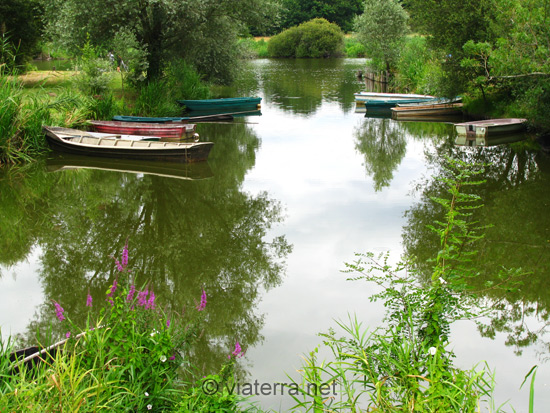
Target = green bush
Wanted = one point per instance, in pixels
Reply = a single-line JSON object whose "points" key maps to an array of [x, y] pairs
{"points": [[252, 49], [316, 38], [354, 48]]}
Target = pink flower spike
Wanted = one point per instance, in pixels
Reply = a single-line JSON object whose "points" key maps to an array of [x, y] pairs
{"points": [[125, 255], [59, 311], [238, 350], [89, 300], [68, 334], [131, 293], [167, 323], [142, 297], [151, 302], [119, 266], [202, 304]]}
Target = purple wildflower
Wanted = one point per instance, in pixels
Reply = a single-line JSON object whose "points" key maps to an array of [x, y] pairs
{"points": [[59, 311], [89, 300], [68, 334], [112, 291], [125, 255], [202, 304], [119, 266], [131, 293], [142, 297], [151, 302], [238, 350], [168, 323]]}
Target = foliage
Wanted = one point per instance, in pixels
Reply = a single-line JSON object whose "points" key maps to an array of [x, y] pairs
{"points": [[414, 67], [381, 29], [158, 97], [21, 24], [316, 38], [339, 12], [155, 99], [252, 49], [202, 32], [407, 365], [131, 57], [354, 48], [21, 122], [94, 75]]}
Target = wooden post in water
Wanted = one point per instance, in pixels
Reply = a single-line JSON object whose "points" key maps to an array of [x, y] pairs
{"points": [[376, 81]]}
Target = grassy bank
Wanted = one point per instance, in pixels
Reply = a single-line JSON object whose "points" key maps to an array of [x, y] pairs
{"points": [[69, 99]]}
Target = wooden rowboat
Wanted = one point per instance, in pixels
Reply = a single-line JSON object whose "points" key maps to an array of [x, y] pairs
{"points": [[426, 110], [217, 104], [388, 100], [124, 146], [165, 130], [490, 127], [167, 119]]}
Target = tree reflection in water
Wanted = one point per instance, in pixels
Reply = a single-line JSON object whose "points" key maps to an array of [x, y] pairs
{"points": [[183, 235], [515, 195]]}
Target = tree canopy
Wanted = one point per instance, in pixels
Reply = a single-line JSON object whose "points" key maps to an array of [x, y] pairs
{"points": [[203, 32], [381, 28], [21, 27], [341, 12]]}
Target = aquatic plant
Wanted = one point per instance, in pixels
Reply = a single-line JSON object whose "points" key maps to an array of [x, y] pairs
{"points": [[407, 365]]}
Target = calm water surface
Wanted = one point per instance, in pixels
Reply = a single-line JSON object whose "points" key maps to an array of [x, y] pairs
{"points": [[267, 225]]}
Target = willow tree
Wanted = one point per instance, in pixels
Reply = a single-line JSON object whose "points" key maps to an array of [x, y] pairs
{"points": [[382, 28], [203, 32]]}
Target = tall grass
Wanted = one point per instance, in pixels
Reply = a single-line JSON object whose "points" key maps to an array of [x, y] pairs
{"points": [[158, 97], [21, 122]]}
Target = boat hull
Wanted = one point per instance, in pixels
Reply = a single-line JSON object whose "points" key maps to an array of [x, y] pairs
{"points": [[221, 104], [490, 127], [108, 146], [165, 130], [428, 111]]}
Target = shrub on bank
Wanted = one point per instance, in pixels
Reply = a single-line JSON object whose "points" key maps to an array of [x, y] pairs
{"points": [[316, 38]]}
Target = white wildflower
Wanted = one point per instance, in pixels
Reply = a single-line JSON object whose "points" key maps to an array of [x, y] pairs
{"points": [[432, 351], [163, 358]]}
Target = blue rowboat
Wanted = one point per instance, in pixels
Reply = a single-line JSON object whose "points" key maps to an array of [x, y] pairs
{"points": [[223, 104]]}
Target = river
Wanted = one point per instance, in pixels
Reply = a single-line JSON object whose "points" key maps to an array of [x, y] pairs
{"points": [[268, 223]]}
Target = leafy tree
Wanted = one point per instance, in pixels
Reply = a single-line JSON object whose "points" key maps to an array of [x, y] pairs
{"points": [[340, 12], [449, 25], [382, 28], [20, 22], [201, 32]]}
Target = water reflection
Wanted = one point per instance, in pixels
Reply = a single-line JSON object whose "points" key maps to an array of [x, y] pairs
{"points": [[300, 86], [183, 234], [516, 198], [383, 144]]}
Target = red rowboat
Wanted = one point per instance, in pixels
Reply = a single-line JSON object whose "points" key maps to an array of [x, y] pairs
{"points": [[165, 130]]}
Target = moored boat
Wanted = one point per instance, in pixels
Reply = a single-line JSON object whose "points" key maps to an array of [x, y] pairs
{"points": [[490, 127], [167, 119], [426, 110], [388, 100], [223, 103], [124, 146], [165, 130]]}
